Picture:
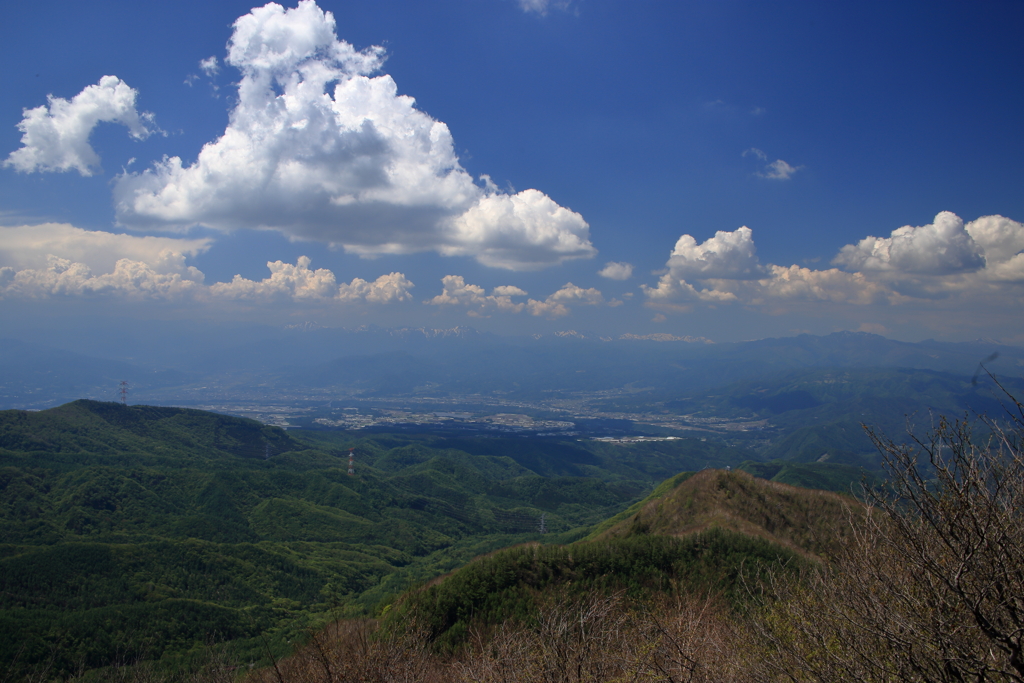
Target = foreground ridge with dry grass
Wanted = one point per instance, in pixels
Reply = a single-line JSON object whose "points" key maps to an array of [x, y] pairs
{"points": [[715, 532], [928, 585], [685, 630]]}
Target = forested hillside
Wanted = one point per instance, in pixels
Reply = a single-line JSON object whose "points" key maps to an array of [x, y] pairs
{"points": [[161, 541], [141, 533]]}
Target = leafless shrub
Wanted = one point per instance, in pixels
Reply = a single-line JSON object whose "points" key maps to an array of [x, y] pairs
{"points": [[353, 650], [580, 639], [507, 654], [687, 638], [575, 639], [610, 638], [932, 586]]}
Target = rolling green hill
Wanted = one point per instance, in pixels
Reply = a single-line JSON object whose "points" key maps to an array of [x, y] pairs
{"points": [[714, 530]]}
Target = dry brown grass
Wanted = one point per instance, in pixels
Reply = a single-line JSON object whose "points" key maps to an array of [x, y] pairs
{"points": [[597, 638], [353, 650]]}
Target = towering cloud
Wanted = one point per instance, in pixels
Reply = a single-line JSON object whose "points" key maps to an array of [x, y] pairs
{"points": [[320, 149]]}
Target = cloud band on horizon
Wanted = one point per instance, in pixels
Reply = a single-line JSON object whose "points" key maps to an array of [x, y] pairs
{"points": [[942, 260], [60, 260]]}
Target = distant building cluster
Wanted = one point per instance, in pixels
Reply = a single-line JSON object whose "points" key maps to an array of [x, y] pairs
{"points": [[506, 422], [634, 439]]}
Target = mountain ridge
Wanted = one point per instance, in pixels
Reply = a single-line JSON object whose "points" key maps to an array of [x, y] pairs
{"points": [[457, 360], [721, 531], [736, 500]]}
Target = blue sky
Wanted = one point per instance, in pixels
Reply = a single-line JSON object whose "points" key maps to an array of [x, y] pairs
{"points": [[731, 170]]}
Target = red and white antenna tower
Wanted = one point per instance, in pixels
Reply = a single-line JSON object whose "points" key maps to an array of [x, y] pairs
{"points": [[124, 392], [351, 462]]}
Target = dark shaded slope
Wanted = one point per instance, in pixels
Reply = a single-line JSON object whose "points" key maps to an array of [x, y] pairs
{"points": [[99, 428], [825, 476]]}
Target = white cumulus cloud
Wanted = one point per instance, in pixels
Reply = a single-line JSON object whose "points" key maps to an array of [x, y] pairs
{"points": [[726, 255], [977, 264], [834, 285], [386, 289], [524, 231], [671, 288], [319, 148], [54, 259], [298, 282], [57, 259], [456, 292], [1001, 240], [941, 248], [55, 137], [776, 170], [557, 305], [541, 7], [614, 270]]}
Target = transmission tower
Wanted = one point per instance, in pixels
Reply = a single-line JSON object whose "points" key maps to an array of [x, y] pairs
{"points": [[351, 462], [124, 392], [543, 527]]}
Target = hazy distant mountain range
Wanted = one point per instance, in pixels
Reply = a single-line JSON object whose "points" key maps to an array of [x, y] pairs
{"points": [[393, 362]]}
